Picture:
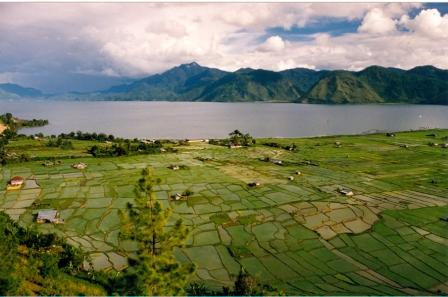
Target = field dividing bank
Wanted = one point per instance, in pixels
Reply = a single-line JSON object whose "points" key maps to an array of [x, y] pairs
{"points": [[299, 234]]}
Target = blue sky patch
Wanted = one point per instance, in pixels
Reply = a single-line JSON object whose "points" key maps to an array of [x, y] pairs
{"points": [[332, 26], [441, 7]]}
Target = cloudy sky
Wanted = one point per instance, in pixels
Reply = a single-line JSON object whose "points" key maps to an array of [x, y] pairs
{"points": [[60, 47]]}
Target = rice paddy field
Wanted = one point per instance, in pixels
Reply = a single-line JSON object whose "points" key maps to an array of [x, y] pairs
{"points": [[298, 234]]}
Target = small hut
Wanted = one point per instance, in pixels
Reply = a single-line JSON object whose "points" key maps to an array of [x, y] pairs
{"points": [[253, 184], [234, 146], [48, 216], [15, 183], [291, 177], [179, 196], [79, 166], [346, 191], [277, 162], [174, 167], [48, 163], [298, 172]]}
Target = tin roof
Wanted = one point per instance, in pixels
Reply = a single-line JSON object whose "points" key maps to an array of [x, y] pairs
{"points": [[47, 214]]}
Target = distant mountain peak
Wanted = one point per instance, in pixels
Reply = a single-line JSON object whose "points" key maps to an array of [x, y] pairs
{"points": [[244, 70], [20, 90], [191, 65]]}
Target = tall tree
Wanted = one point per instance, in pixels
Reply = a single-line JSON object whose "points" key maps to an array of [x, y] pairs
{"points": [[155, 271]]}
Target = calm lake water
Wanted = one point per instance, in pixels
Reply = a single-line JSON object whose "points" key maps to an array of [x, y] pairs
{"points": [[209, 120]]}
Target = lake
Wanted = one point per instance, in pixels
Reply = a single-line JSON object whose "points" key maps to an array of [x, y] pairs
{"points": [[213, 120]]}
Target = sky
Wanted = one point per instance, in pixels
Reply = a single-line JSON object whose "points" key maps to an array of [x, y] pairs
{"points": [[61, 47]]}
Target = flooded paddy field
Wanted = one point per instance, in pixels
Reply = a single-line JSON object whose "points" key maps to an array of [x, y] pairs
{"points": [[300, 233]]}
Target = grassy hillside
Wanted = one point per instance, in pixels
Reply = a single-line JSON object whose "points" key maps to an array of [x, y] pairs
{"points": [[251, 85], [342, 87], [303, 78], [184, 82], [422, 85]]}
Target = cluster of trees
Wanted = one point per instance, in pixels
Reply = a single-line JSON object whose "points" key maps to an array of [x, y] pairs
{"points": [[127, 147], [236, 138], [79, 135], [14, 123], [290, 147], [34, 123], [7, 118], [3, 143], [244, 285], [60, 142], [7, 135]]}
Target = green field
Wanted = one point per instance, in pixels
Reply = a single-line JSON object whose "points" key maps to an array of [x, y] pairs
{"points": [[299, 235]]}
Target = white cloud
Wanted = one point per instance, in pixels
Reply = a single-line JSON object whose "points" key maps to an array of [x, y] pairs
{"points": [[377, 22], [272, 44], [428, 22], [135, 39]]}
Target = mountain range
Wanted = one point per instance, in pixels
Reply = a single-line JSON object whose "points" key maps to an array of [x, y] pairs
{"points": [[193, 82], [13, 91]]}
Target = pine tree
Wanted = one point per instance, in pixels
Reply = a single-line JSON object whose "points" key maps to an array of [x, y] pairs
{"points": [[155, 270]]}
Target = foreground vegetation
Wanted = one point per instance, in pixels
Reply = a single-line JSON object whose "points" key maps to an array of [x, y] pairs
{"points": [[39, 264], [300, 235]]}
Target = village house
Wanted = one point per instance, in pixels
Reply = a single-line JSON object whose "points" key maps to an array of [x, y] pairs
{"points": [[233, 146], [79, 166], [15, 183], [179, 196], [253, 184], [346, 191], [197, 140], [174, 167], [147, 141], [277, 162], [48, 216], [291, 177], [48, 163]]}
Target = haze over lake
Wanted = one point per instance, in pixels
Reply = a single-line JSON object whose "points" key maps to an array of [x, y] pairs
{"points": [[213, 120]]}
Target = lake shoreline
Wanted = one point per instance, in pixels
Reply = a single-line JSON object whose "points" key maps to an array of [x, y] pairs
{"points": [[220, 102], [205, 140]]}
